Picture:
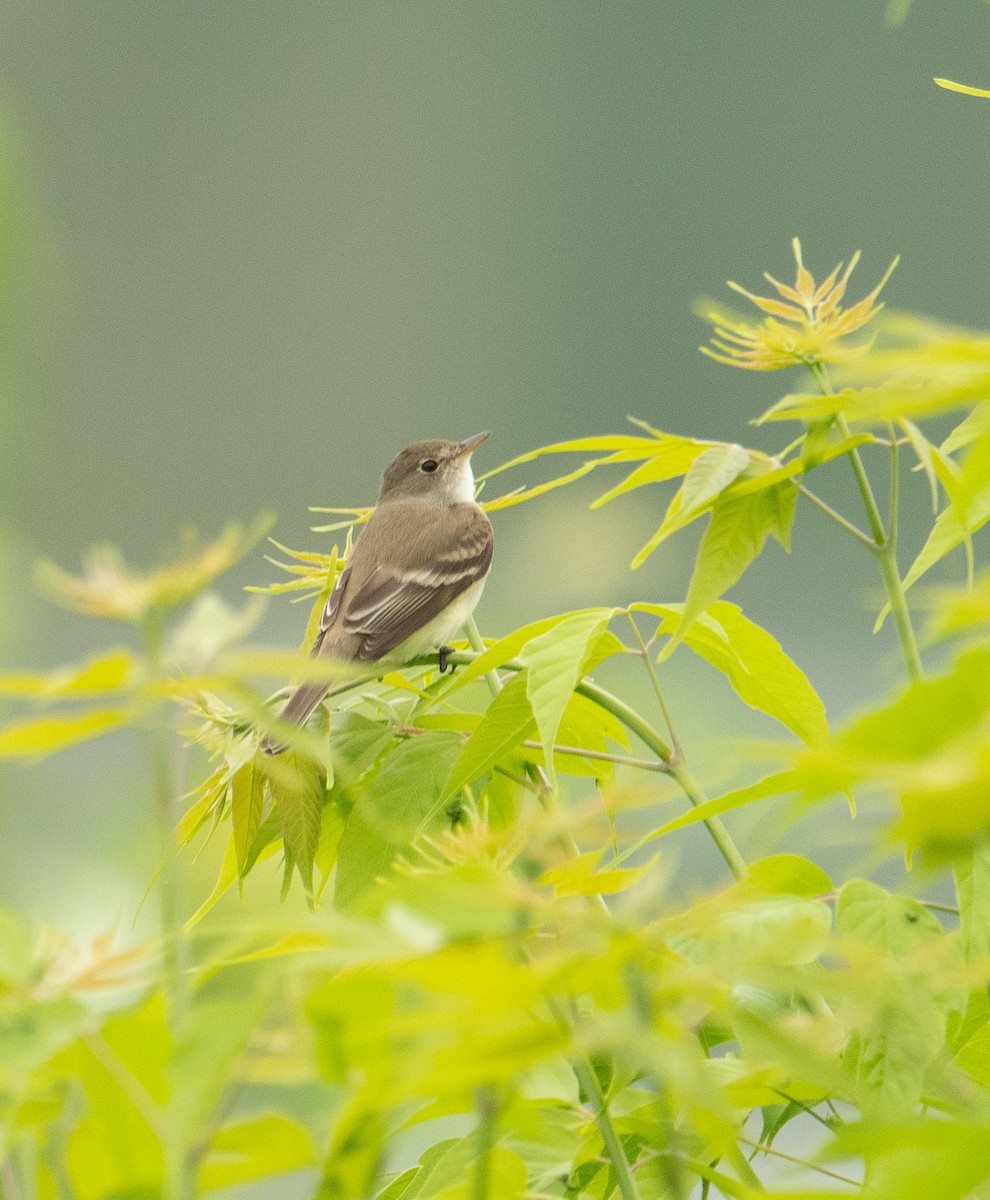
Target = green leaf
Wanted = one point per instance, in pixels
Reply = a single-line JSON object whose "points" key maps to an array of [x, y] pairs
{"points": [[508, 722], [502, 651], [109, 673], [247, 803], [710, 474], [943, 1158], [756, 666], [401, 802], [954, 526], [46, 735], [298, 795], [226, 876], [586, 725], [972, 875], [735, 537], [579, 877], [555, 662], [671, 457], [114, 1149], [973, 426], [256, 1149], [895, 1044], [894, 925], [773, 785], [214, 1036]]}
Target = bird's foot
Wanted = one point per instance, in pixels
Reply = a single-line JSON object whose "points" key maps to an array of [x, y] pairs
{"points": [[445, 663]]}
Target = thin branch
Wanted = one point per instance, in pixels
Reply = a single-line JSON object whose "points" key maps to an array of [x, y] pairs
{"points": [[799, 1162], [838, 518], [678, 755]]}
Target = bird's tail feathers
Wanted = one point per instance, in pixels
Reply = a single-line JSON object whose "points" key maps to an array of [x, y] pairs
{"points": [[296, 712]]}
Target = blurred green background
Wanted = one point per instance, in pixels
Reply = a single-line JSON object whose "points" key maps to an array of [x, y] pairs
{"points": [[251, 250]]}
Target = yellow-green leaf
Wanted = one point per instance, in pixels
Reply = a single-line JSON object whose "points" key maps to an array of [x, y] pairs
{"points": [[46, 735]]}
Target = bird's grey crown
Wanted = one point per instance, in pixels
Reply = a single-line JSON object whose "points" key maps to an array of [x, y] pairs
{"points": [[451, 483]]}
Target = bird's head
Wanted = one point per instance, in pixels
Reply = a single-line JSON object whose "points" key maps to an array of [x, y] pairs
{"points": [[432, 473]]}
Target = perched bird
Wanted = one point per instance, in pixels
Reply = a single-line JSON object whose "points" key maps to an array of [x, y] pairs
{"points": [[415, 573]]}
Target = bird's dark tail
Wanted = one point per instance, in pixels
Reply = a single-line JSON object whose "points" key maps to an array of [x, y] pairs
{"points": [[296, 712]]}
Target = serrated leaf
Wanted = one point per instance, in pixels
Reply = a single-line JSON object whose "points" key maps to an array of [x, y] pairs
{"points": [[709, 475], [47, 735], [508, 722], [736, 535], [401, 802], [298, 794], [756, 666], [247, 803], [554, 664]]}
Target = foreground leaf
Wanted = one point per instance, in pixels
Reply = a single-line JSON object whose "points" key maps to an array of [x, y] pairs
{"points": [[46, 735]]}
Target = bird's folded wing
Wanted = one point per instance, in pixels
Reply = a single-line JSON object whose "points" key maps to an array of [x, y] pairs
{"points": [[394, 602]]}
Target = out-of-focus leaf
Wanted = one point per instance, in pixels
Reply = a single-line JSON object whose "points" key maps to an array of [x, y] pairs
{"points": [[579, 876], [967, 513], [972, 874], [754, 663], [401, 803], [114, 1149], [972, 427], [214, 1036], [256, 1149], [888, 402], [108, 673], [508, 722], [226, 876], [41, 736], [918, 1158], [357, 1147], [555, 662], [735, 537], [889, 1058]]}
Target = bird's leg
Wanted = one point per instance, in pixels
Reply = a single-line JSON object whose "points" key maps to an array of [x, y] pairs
{"points": [[445, 653]]}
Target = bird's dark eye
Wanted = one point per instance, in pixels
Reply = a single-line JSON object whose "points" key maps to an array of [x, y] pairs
{"points": [[428, 466]]}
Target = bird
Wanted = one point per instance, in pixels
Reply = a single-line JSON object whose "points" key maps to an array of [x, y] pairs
{"points": [[414, 575]]}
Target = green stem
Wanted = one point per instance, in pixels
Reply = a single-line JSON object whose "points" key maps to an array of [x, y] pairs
{"points": [[677, 770], [180, 1182], [487, 1107], [861, 537], [678, 755], [588, 1080], [886, 543]]}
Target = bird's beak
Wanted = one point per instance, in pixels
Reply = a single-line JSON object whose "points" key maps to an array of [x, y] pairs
{"points": [[469, 445]]}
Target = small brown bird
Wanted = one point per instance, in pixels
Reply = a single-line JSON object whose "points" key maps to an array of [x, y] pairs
{"points": [[416, 571]]}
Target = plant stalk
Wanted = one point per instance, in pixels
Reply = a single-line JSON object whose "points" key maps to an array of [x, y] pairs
{"points": [[886, 543], [588, 1080], [180, 1182]]}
